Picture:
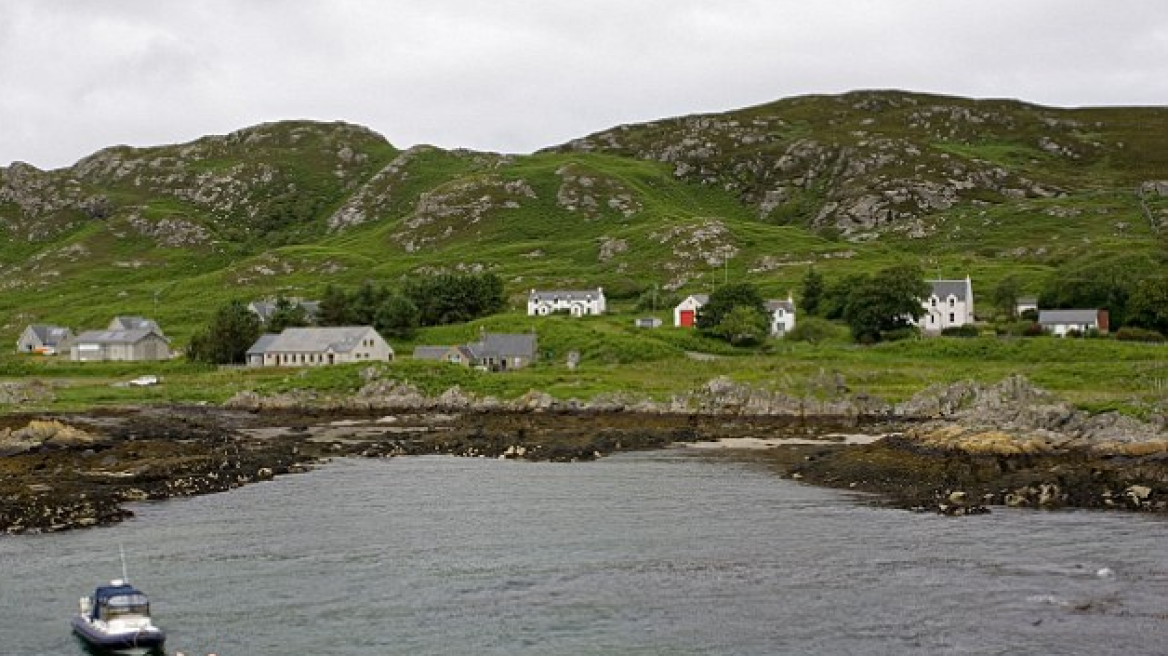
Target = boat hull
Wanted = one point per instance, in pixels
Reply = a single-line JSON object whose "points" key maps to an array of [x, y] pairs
{"points": [[146, 639]]}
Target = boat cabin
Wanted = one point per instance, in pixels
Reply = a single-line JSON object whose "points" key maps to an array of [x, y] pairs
{"points": [[113, 602]]}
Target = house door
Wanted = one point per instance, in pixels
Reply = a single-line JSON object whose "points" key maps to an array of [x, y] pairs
{"points": [[687, 318]]}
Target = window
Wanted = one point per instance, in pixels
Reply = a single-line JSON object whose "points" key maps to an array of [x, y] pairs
{"points": [[952, 318], [933, 302], [951, 301]]}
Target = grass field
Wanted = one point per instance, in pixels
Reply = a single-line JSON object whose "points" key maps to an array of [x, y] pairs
{"points": [[617, 358]]}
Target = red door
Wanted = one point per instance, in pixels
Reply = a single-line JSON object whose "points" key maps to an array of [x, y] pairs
{"points": [[687, 318]]}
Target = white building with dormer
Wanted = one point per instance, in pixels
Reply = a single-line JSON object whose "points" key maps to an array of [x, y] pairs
{"points": [[948, 305], [577, 303]]}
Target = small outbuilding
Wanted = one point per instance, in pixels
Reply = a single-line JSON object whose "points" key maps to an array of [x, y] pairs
{"points": [[781, 316], [685, 314]]}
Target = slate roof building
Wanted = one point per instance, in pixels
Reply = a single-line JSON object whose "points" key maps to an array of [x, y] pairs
{"points": [[577, 303], [44, 339], [949, 304], [315, 347], [131, 345], [1062, 322], [131, 322], [266, 308], [781, 316], [494, 351]]}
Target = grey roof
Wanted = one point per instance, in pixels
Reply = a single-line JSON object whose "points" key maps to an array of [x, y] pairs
{"points": [[787, 305], [131, 322], [430, 352], [265, 309], [506, 345], [50, 335], [262, 344], [945, 288], [566, 294], [115, 336], [1052, 317], [316, 340]]}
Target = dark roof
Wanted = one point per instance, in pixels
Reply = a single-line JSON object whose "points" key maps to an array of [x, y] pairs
{"points": [[430, 352], [116, 336], [1048, 317], [960, 289], [265, 309], [50, 335], [507, 345], [787, 305], [131, 322], [316, 340], [567, 294], [262, 344]]}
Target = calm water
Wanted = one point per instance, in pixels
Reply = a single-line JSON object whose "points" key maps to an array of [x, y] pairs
{"points": [[654, 553]]}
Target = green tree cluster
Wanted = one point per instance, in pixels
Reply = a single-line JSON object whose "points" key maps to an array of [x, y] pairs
{"points": [[878, 306], [420, 301], [226, 339], [735, 313]]}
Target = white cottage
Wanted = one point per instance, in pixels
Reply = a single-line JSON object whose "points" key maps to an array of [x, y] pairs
{"points": [[577, 303], [781, 315], [949, 304], [315, 347], [685, 314], [1061, 322]]}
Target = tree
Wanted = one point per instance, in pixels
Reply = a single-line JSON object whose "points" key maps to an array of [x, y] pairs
{"points": [[1005, 296], [743, 325], [455, 297], [1148, 307], [363, 304], [397, 317], [334, 307], [226, 339], [812, 291], [835, 296], [288, 314], [723, 300], [889, 300]]}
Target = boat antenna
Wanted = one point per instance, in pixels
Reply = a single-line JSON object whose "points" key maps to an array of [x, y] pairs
{"points": [[122, 553]]}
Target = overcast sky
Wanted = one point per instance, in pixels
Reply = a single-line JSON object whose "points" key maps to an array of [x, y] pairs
{"points": [[515, 76]]}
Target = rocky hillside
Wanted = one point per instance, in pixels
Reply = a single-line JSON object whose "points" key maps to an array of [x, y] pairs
{"points": [[845, 182], [868, 163]]}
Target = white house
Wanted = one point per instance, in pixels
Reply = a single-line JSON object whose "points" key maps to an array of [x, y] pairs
{"points": [[315, 347], [685, 315], [949, 304], [130, 322], [1061, 322], [782, 316], [577, 303]]}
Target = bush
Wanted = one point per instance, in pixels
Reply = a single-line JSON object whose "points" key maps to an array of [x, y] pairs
{"points": [[967, 330], [900, 334], [813, 330], [1131, 334]]}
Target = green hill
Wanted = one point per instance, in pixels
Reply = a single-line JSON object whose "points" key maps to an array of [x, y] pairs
{"points": [[847, 183]]}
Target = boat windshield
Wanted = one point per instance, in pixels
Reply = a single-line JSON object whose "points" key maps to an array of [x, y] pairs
{"points": [[124, 605]]}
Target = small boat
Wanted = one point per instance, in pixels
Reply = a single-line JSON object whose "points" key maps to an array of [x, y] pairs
{"points": [[117, 617]]}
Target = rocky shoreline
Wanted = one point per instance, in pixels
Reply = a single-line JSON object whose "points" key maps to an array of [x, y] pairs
{"points": [[955, 450]]}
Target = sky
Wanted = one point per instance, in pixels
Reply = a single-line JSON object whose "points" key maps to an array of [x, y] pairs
{"points": [[515, 76]]}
